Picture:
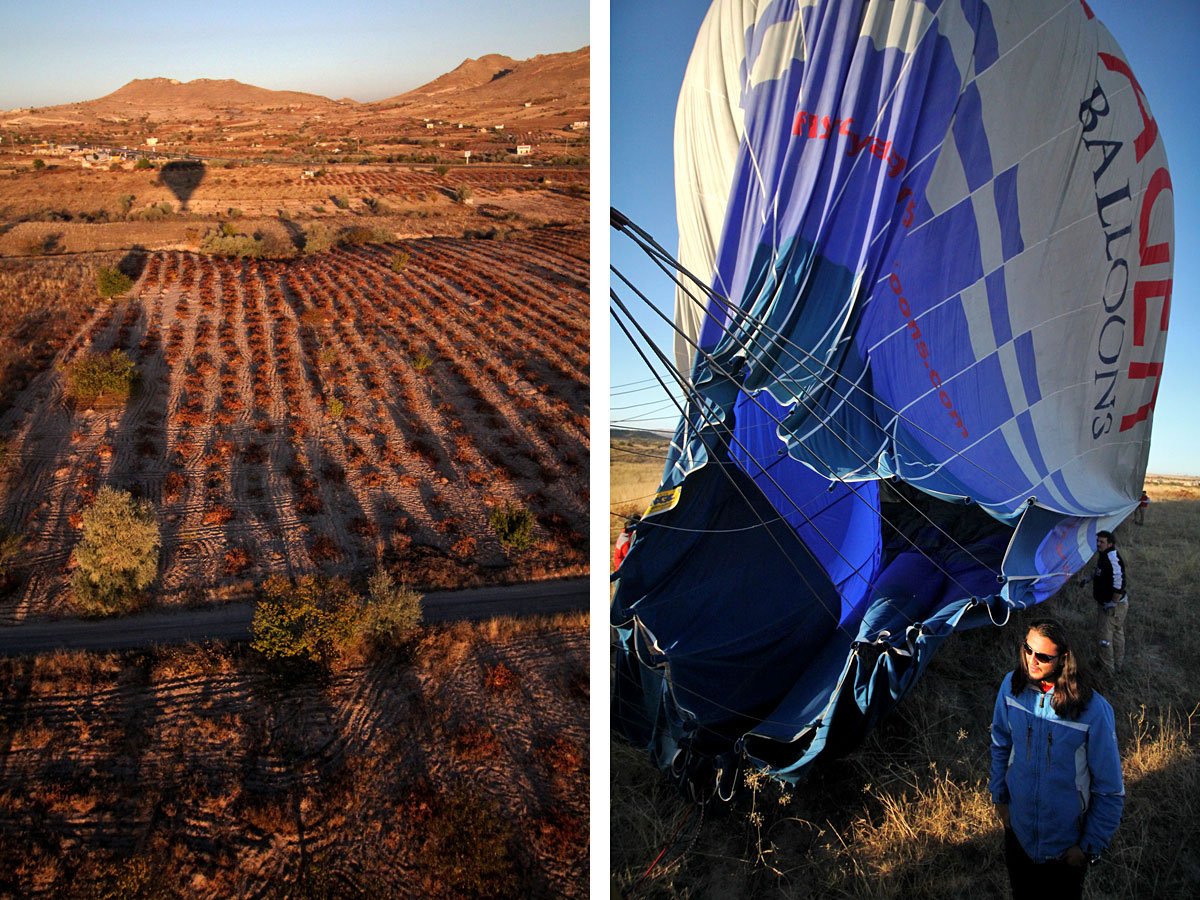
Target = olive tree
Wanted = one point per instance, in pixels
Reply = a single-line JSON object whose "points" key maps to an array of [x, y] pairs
{"points": [[117, 557]]}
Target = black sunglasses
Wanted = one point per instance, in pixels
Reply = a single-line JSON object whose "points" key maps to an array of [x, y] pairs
{"points": [[1043, 658]]}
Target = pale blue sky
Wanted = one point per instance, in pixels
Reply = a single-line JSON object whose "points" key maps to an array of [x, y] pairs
{"points": [[54, 52], [650, 47]]}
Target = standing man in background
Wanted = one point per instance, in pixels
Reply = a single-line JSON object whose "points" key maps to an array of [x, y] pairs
{"points": [[1110, 591]]}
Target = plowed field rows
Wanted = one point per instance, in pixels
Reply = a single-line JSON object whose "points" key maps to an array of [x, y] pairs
{"points": [[364, 405], [478, 179]]}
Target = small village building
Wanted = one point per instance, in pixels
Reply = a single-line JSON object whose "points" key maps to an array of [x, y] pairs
{"points": [[523, 149], [151, 142], [581, 125]]}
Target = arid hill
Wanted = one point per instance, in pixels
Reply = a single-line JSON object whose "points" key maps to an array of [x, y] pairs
{"points": [[554, 85], [170, 98], [551, 83]]}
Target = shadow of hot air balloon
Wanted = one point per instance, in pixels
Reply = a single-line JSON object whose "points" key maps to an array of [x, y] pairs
{"points": [[182, 177]]}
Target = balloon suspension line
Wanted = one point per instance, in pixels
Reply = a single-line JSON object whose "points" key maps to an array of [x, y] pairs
{"points": [[799, 399], [720, 433], [669, 266], [708, 358]]}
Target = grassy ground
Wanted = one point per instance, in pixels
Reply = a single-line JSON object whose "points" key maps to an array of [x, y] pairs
{"points": [[908, 814]]}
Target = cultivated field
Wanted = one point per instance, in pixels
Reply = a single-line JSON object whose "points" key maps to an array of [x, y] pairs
{"points": [[353, 355], [461, 771], [908, 814], [319, 414]]}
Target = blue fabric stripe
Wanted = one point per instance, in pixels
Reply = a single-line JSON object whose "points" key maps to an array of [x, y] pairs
{"points": [[1004, 190], [997, 295], [1061, 483], [987, 46], [1025, 423], [1027, 363], [971, 139]]}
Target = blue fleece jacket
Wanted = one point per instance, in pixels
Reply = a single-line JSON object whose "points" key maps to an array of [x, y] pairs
{"points": [[1061, 778]]}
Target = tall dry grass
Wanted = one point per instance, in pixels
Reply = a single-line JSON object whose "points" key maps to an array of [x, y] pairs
{"points": [[635, 469], [908, 814]]}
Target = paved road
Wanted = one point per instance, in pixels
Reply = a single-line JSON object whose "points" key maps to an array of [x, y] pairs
{"points": [[231, 622]]}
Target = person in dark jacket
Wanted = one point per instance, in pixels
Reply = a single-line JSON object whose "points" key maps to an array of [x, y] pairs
{"points": [[1110, 591], [1056, 769]]}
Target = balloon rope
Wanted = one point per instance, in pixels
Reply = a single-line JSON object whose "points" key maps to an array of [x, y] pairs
{"points": [[667, 263], [708, 358]]}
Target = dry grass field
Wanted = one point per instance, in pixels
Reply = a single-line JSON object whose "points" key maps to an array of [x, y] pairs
{"points": [[908, 814], [460, 770]]}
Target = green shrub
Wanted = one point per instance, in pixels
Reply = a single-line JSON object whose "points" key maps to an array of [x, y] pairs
{"points": [[126, 203], [337, 407], [421, 362], [39, 164], [513, 526], [340, 201], [441, 170], [224, 241], [111, 282], [391, 616], [463, 194], [319, 237], [307, 620], [400, 261], [143, 163], [117, 557], [109, 375]]}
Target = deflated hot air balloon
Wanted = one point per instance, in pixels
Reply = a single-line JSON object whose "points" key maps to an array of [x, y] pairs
{"points": [[937, 245]]}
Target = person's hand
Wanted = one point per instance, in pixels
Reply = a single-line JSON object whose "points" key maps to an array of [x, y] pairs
{"points": [[1002, 812], [1075, 856]]}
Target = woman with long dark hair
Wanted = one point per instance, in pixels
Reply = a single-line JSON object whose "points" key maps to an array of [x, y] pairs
{"points": [[1056, 770]]}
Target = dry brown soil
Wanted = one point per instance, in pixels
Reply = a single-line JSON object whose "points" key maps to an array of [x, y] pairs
{"points": [[196, 772]]}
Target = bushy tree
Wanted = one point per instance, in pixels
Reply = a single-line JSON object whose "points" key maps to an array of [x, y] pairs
{"points": [[112, 282], [391, 616], [117, 557], [309, 620], [513, 526], [109, 375], [39, 164]]}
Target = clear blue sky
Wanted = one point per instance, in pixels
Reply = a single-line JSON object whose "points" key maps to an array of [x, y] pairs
{"points": [[54, 52], [650, 47]]}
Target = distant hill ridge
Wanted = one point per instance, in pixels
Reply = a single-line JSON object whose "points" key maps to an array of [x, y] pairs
{"points": [[558, 81], [493, 78], [165, 92]]}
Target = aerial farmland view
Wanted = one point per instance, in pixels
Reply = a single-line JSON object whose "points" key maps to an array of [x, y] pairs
{"points": [[303, 383]]}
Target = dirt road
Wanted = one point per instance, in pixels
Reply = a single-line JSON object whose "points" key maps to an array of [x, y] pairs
{"points": [[232, 622]]}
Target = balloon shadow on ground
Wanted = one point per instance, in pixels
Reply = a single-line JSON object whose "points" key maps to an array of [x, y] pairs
{"points": [[133, 262], [182, 177]]}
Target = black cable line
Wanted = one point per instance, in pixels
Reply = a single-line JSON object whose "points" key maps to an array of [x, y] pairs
{"points": [[866, 463], [723, 372], [661, 258], [698, 401]]}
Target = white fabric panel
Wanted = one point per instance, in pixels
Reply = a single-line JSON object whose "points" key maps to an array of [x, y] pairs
{"points": [[708, 132], [1015, 112], [896, 23]]}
